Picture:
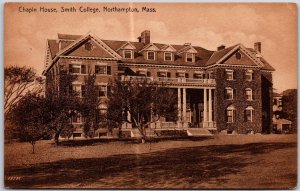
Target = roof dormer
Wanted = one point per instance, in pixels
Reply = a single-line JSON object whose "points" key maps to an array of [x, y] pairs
{"points": [[150, 51], [188, 52], [127, 50], [168, 52]]}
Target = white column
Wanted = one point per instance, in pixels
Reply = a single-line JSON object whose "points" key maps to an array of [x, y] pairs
{"points": [[129, 119], [184, 105], [210, 107], [205, 108], [179, 107]]}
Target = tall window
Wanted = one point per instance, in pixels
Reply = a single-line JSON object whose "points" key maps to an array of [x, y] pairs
{"points": [[229, 75], [249, 114], [248, 92], [230, 114], [75, 90], [150, 55], [76, 118], [249, 75], [128, 54], [164, 74], [229, 93], [168, 56], [100, 69], [189, 57], [102, 90], [77, 69], [198, 76]]}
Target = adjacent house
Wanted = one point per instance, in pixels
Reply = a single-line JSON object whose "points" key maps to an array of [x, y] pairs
{"points": [[280, 125], [227, 89]]}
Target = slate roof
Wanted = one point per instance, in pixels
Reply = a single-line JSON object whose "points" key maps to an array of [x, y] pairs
{"points": [[203, 57]]}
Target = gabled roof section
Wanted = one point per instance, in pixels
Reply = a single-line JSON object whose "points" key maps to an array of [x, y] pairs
{"points": [[220, 56], [53, 47], [188, 49], [127, 46], [168, 48], [76, 43], [149, 46]]}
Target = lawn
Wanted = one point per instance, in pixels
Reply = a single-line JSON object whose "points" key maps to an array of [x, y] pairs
{"points": [[232, 161]]}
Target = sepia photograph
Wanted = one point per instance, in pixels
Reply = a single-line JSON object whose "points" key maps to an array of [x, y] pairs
{"points": [[150, 95]]}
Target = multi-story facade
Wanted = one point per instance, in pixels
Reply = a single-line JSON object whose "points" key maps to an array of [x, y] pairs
{"points": [[227, 89]]}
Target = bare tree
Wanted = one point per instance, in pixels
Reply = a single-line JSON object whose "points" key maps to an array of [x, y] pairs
{"points": [[146, 102], [18, 81]]}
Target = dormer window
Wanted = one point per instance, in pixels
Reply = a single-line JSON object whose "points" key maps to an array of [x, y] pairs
{"points": [[150, 55], [189, 57], [128, 54], [168, 56]]}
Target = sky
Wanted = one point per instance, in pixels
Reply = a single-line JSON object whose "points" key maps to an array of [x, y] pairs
{"points": [[208, 25]]}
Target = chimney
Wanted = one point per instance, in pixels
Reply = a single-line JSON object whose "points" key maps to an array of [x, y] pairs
{"points": [[145, 37], [187, 44], [222, 47], [257, 47]]}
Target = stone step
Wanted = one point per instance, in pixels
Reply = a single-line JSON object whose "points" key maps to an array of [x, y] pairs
{"points": [[199, 132]]}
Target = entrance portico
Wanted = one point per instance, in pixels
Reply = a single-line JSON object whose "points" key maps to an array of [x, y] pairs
{"points": [[195, 107]]}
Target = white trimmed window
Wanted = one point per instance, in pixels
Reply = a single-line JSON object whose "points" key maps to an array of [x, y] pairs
{"points": [[103, 69], [77, 69], [150, 55], [164, 74], [190, 57], [229, 75], [127, 54], [229, 93], [249, 112], [76, 118], [249, 94], [198, 75], [75, 90], [230, 114], [101, 90], [249, 75], [168, 56]]}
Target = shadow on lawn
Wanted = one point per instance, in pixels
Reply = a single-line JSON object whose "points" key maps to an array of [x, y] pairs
{"points": [[191, 165]]}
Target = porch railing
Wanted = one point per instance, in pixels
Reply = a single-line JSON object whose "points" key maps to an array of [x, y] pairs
{"points": [[175, 81]]}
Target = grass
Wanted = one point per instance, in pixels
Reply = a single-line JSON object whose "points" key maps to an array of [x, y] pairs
{"points": [[236, 161]]}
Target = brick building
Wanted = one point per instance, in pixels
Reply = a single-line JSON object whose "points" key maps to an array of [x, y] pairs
{"points": [[226, 89]]}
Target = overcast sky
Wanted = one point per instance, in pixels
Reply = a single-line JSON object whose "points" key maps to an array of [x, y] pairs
{"points": [[205, 25]]}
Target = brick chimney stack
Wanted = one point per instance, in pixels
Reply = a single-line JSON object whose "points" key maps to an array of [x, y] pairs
{"points": [[257, 47], [145, 37]]}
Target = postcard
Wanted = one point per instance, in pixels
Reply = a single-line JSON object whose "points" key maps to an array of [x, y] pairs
{"points": [[150, 95]]}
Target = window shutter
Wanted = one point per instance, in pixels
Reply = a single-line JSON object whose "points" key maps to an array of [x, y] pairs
{"points": [[245, 115], [83, 90], [253, 94], [108, 90], [70, 68], [233, 93], [108, 70], [83, 69], [168, 74], [234, 75], [70, 90]]}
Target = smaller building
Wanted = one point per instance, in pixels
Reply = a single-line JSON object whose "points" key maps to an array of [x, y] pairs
{"points": [[280, 125]]}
